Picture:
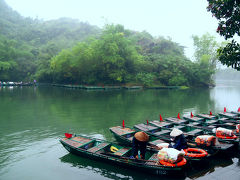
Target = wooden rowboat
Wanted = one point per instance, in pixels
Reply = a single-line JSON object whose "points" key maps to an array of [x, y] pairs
{"points": [[102, 151], [229, 115], [164, 134], [125, 136], [206, 124]]}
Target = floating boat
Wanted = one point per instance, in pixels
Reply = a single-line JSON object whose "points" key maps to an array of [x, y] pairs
{"points": [[125, 136], [163, 134], [175, 120], [236, 112], [113, 153], [207, 116], [194, 119], [229, 115], [207, 127], [188, 129], [156, 129]]}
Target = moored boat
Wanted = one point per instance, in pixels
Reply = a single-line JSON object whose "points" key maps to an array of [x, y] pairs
{"points": [[175, 120], [229, 115], [207, 116], [236, 112], [163, 134], [113, 153], [194, 119], [126, 138], [207, 128]]}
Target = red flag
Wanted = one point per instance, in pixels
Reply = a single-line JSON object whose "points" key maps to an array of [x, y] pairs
{"points": [[239, 109], [191, 115], [161, 118], [67, 135], [225, 109], [178, 116], [147, 122], [210, 113], [123, 124]]}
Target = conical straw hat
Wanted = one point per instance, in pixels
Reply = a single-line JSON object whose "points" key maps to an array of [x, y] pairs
{"points": [[175, 132], [141, 136]]}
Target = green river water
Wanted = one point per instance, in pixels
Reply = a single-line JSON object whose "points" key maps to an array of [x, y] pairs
{"points": [[33, 119]]}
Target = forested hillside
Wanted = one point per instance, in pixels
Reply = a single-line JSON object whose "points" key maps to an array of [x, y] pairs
{"points": [[27, 44], [69, 51]]}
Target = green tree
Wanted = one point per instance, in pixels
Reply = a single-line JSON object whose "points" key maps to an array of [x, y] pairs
{"points": [[227, 13], [206, 58], [110, 59], [205, 45]]}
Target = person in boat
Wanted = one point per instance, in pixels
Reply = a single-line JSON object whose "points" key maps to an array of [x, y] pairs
{"points": [[179, 140], [139, 143]]}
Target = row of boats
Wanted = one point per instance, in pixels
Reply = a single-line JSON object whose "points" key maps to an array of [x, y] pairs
{"points": [[158, 131]]}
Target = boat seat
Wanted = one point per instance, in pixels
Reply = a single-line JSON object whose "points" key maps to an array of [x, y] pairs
{"points": [[158, 141], [80, 139], [153, 158], [161, 132], [229, 124], [211, 127], [72, 143], [211, 122], [177, 121], [223, 119], [161, 124], [98, 147], [121, 131], [195, 132], [179, 127], [121, 151], [77, 141], [146, 128], [196, 123]]}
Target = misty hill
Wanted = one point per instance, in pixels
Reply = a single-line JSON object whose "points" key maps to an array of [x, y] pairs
{"points": [[24, 42], [68, 51], [38, 32]]}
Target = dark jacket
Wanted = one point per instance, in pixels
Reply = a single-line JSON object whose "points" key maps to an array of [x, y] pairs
{"points": [[138, 145], [179, 143]]}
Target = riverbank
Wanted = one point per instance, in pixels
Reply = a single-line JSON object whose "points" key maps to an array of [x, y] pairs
{"points": [[128, 87], [17, 84]]}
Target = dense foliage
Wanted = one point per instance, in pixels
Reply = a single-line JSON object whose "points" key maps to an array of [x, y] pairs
{"points": [[27, 45], [68, 51], [228, 15], [121, 56]]}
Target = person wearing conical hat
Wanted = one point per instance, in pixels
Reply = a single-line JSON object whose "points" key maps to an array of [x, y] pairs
{"points": [[139, 143], [179, 140]]}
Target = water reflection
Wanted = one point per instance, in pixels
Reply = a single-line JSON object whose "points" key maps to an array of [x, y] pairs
{"points": [[194, 170], [209, 166], [108, 170]]}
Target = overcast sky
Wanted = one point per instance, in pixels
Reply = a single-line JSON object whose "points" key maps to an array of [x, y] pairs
{"points": [[178, 19]]}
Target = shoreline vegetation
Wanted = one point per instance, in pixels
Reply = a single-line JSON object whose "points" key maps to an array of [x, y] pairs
{"points": [[107, 87], [92, 87]]}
